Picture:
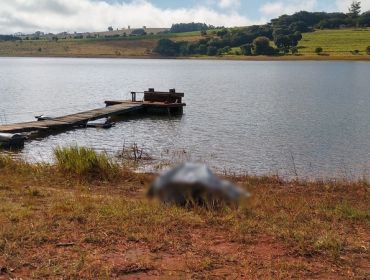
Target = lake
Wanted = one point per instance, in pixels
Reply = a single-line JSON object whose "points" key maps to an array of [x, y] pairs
{"points": [[254, 117]]}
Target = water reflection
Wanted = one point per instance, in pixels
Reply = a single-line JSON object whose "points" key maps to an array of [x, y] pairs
{"points": [[241, 116]]}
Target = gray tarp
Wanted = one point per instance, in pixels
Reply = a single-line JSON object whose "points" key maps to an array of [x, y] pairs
{"points": [[196, 183]]}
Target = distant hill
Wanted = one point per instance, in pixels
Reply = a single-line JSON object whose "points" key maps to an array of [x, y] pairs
{"points": [[303, 35]]}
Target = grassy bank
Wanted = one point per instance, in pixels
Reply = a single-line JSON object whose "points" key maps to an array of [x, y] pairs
{"points": [[336, 44], [59, 222]]}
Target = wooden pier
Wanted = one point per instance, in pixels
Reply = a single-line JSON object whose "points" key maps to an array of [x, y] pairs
{"points": [[153, 102], [73, 120]]}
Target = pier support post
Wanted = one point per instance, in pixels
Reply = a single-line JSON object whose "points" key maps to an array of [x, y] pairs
{"points": [[133, 96]]}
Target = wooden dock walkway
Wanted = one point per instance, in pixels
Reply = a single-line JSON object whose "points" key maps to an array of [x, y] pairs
{"points": [[154, 102], [73, 120]]}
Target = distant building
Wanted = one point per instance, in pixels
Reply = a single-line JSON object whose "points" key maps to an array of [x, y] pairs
{"points": [[129, 31], [124, 32]]}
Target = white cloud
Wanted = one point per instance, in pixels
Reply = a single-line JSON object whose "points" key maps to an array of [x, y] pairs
{"points": [[343, 5], [278, 8], [229, 3], [97, 15]]}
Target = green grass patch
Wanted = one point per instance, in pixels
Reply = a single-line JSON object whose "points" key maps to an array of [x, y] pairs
{"points": [[5, 160], [345, 210], [85, 162], [337, 42]]}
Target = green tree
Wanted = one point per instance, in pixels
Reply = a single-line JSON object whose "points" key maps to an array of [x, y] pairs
{"points": [[222, 33], [261, 46], [246, 49], [368, 50], [286, 42], [283, 42], [319, 50], [212, 51], [294, 50], [166, 47], [189, 27], [138, 32], [299, 25], [202, 49], [224, 50], [355, 9]]}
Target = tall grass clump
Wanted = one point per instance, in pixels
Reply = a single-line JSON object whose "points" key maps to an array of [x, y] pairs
{"points": [[5, 160], [86, 163]]}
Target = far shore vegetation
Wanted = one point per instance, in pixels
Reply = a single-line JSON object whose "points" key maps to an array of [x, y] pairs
{"points": [[58, 221], [303, 35]]}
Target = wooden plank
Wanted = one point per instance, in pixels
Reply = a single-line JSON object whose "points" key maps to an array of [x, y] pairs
{"points": [[72, 119]]}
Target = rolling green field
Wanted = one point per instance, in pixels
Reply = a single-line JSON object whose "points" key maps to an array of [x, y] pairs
{"points": [[336, 44]]}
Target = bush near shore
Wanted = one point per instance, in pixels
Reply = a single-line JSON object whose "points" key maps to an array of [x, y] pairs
{"points": [[54, 226], [85, 162]]}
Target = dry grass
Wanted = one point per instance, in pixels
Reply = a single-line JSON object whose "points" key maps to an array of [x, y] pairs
{"points": [[337, 44], [53, 226], [128, 47], [76, 48]]}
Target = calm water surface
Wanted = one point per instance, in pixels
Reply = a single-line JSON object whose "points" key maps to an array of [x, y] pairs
{"points": [[256, 117]]}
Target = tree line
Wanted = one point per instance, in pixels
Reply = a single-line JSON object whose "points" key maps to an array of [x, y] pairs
{"points": [[189, 27], [285, 31], [9, 38], [252, 40]]}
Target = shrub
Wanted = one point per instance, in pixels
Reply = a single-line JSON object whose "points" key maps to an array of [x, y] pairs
{"points": [[368, 50], [85, 162], [246, 49], [294, 50], [319, 50], [138, 32], [222, 33], [261, 46], [167, 47], [212, 51], [225, 50], [355, 52]]}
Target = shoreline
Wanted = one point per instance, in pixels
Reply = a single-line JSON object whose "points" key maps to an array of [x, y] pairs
{"points": [[220, 58]]}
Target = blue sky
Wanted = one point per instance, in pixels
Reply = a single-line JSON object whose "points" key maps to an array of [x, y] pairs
{"points": [[96, 15]]}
